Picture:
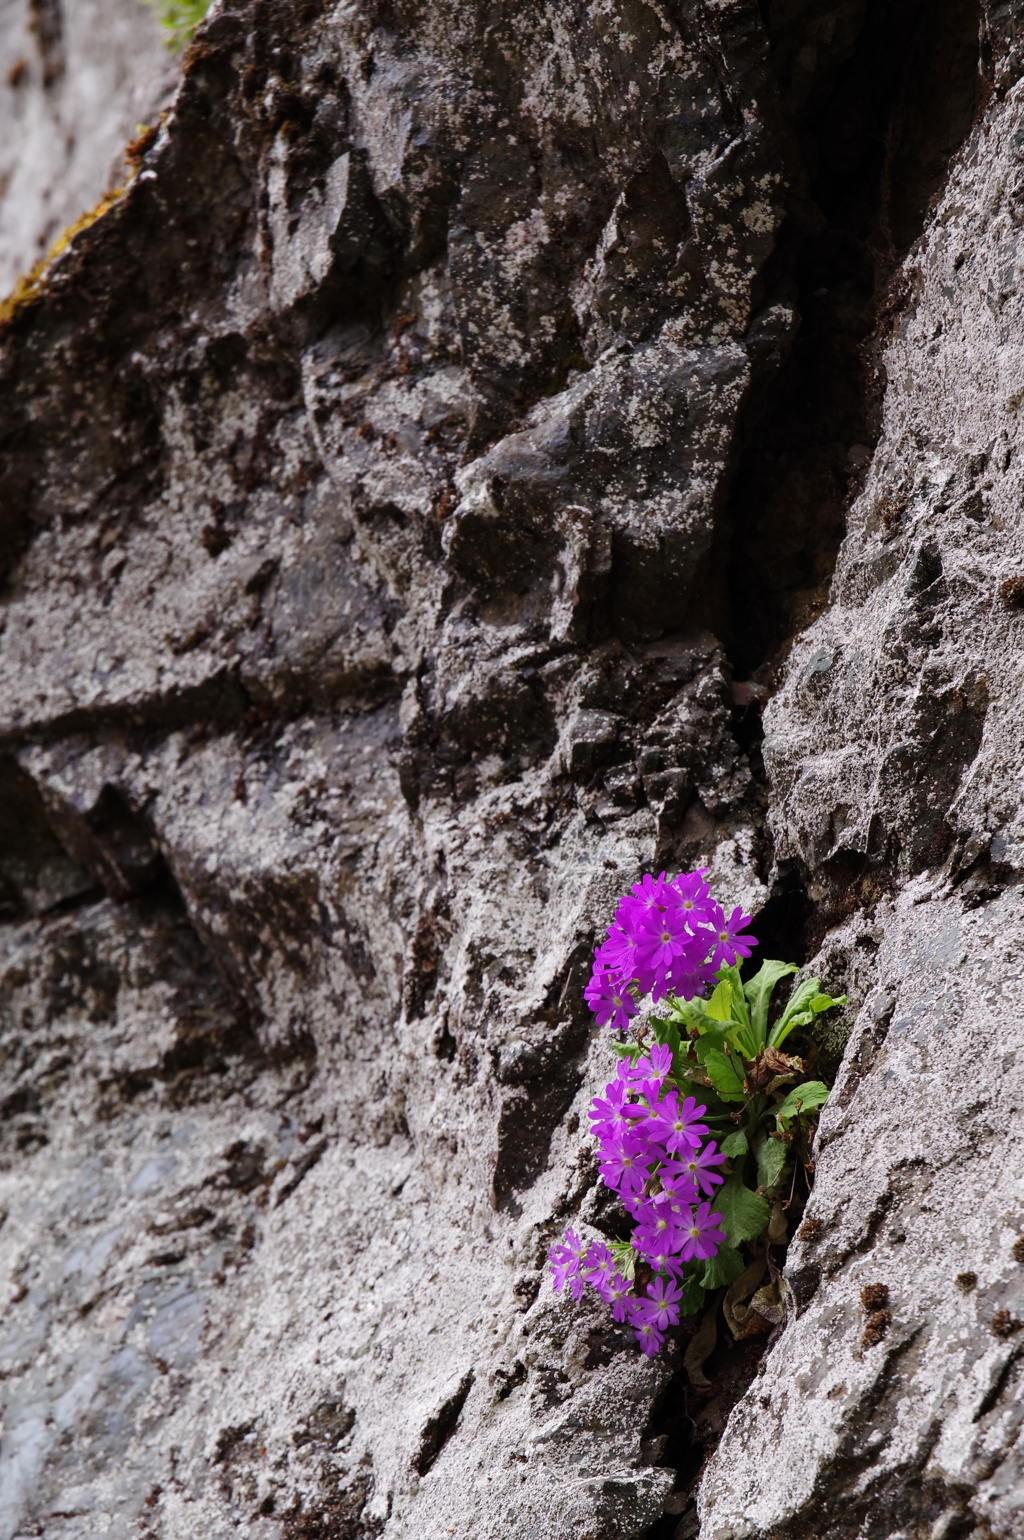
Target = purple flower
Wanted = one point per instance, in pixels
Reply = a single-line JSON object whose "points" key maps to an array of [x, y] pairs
{"points": [[610, 1114], [623, 1165], [651, 1070], [691, 894], [658, 1230], [701, 1238], [665, 1261], [629, 1072], [659, 1215], [612, 1141], [615, 1093], [677, 1185], [650, 1212], [609, 999], [648, 895], [668, 937], [729, 943], [676, 1126], [662, 1308], [687, 985], [618, 1294], [648, 1336], [697, 1165], [597, 1266], [617, 953], [636, 1204], [662, 937], [565, 1265]]}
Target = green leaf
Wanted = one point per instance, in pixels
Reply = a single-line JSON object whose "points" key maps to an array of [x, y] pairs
{"points": [[686, 1012], [804, 1004], [801, 1019], [771, 1156], [719, 1007], [717, 1034], [702, 1021], [743, 1035], [797, 1012], [715, 1110], [744, 1214], [667, 1033], [179, 18], [723, 1268], [801, 1100], [692, 1078], [625, 1258], [735, 1145], [741, 1011], [693, 1294], [731, 976], [759, 992], [714, 1037], [723, 1076]]}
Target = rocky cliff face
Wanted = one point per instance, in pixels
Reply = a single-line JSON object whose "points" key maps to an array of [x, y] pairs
{"points": [[410, 491]]}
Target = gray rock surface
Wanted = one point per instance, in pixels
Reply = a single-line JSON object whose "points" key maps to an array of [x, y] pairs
{"points": [[77, 79], [894, 749], [901, 1416], [390, 486]]}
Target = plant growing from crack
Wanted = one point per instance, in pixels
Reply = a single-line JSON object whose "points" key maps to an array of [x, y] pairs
{"points": [[179, 19], [704, 1132]]}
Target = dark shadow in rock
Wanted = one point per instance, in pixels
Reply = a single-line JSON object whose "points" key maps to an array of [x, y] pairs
{"points": [[878, 123], [781, 926], [685, 1425], [529, 1116], [113, 842], [438, 1429], [542, 1070], [73, 1012], [215, 1033], [338, 1518], [37, 874]]}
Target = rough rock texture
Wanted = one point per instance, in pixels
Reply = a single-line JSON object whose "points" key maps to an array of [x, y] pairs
{"points": [[77, 79], [391, 485], [894, 748]]}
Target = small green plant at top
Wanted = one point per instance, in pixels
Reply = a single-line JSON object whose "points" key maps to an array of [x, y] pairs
{"points": [[704, 1131], [179, 19]]}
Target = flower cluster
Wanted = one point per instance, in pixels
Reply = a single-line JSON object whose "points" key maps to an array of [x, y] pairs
{"points": [[650, 1150], [666, 937], [714, 1036]]}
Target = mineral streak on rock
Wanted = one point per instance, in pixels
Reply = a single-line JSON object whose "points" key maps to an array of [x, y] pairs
{"points": [[387, 491]]}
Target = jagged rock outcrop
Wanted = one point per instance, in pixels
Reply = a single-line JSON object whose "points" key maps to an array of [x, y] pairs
{"points": [[408, 491]]}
